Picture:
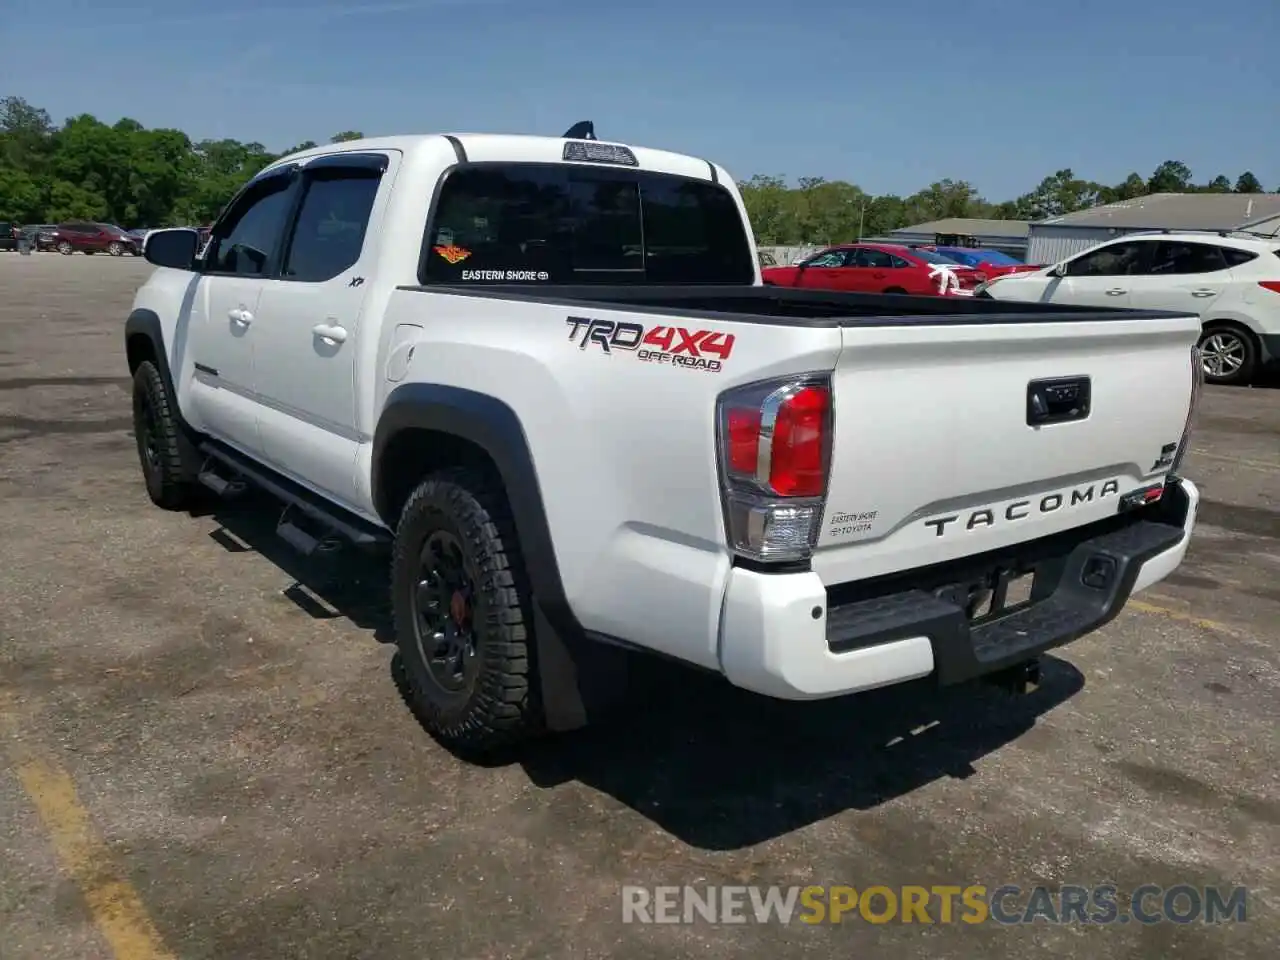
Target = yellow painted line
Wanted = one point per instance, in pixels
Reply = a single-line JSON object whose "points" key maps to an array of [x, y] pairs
{"points": [[113, 903], [1144, 607]]}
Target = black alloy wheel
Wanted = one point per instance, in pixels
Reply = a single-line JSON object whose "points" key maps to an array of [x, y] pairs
{"points": [[444, 620]]}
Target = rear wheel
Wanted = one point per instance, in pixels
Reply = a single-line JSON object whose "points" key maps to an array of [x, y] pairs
{"points": [[1228, 354], [462, 616]]}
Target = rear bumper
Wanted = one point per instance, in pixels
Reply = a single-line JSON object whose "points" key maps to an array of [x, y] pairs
{"points": [[785, 636]]}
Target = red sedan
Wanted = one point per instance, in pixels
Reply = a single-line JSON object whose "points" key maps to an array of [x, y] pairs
{"points": [[878, 268]]}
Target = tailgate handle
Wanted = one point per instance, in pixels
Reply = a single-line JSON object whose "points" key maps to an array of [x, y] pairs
{"points": [[1060, 400]]}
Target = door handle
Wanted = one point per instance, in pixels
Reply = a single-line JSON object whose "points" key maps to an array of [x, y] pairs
{"points": [[241, 316], [1116, 292], [330, 334], [1203, 293]]}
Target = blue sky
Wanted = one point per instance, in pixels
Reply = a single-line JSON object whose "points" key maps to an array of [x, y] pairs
{"points": [[890, 96]]}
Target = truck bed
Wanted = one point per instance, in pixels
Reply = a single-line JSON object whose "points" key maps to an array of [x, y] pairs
{"points": [[795, 307]]}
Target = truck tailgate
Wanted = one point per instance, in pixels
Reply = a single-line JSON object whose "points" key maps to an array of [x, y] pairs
{"points": [[937, 454]]}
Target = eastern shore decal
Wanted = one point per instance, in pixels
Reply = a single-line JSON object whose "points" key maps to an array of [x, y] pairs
{"points": [[453, 254], [511, 275]]}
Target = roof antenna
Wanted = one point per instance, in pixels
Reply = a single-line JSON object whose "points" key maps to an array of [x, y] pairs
{"points": [[582, 130]]}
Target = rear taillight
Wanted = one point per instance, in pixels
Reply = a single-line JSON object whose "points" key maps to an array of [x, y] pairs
{"points": [[1197, 385], [1272, 285], [775, 450]]}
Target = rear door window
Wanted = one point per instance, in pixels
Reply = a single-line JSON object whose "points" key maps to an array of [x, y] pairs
{"points": [[1179, 257], [559, 223], [873, 258]]}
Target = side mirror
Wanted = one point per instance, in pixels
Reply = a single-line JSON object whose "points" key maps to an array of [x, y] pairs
{"points": [[174, 248], [1059, 270]]}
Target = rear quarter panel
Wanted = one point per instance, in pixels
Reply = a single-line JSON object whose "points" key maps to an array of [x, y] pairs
{"points": [[624, 449]]}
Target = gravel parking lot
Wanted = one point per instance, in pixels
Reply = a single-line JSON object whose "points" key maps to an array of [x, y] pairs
{"points": [[203, 752]]}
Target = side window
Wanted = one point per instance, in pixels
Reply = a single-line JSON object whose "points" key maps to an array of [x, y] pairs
{"points": [[245, 240], [874, 258], [1182, 258], [898, 263], [1113, 260], [1236, 257], [332, 219], [832, 258]]}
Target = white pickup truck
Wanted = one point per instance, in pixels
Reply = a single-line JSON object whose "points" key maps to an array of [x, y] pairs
{"points": [[543, 373]]}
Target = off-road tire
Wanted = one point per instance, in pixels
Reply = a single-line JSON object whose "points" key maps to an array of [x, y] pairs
{"points": [[168, 474], [500, 708]]}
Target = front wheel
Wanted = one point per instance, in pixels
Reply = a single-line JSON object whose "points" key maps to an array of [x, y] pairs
{"points": [[115, 249], [162, 451], [462, 614], [65, 248], [1228, 355]]}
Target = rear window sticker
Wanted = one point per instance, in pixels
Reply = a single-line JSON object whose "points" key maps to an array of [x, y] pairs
{"points": [[453, 254]]}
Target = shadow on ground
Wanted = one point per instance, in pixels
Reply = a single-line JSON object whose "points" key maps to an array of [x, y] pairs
{"points": [[715, 766]]}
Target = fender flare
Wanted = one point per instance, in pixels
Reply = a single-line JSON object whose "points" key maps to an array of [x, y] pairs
{"points": [[495, 428], [146, 323], [578, 674]]}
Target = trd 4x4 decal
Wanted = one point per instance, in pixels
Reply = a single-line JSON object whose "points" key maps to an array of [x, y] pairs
{"points": [[675, 346]]}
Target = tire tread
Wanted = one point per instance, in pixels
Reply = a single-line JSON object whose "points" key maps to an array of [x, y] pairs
{"points": [[503, 708]]}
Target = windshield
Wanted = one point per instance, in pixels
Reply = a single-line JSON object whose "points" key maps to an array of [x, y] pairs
{"points": [[959, 256], [928, 256], [998, 258], [975, 257]]}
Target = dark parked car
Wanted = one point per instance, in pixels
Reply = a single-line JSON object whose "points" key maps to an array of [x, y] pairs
{"points": [[8, 235], [89, 237], [42, 235]]}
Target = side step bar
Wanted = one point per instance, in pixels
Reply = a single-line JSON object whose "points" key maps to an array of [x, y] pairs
{"points": [[335, 525]]}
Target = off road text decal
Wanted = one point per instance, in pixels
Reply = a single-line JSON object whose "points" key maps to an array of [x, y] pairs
{"points": [[672, 346]]}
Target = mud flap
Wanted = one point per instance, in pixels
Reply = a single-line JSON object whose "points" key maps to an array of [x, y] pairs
{"points": [[581, 679]]}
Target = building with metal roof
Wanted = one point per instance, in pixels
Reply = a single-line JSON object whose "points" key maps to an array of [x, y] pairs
{"points": [[1008, 236], [1056, 238]]}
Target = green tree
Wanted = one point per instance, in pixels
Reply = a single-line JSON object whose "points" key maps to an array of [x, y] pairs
{"points": [[1248, 183], [126, 173], [1172, 176]]}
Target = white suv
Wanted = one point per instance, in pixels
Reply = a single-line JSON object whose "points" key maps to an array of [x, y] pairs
{"points": [[1231, 280]]}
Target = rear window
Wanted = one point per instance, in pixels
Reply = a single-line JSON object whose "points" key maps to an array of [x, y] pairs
{"points": [[555, 223], [1236, 257], [928, 256]]}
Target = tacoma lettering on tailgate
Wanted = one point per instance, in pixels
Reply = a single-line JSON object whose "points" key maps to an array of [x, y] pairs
{"points": [[1021, 509]]}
